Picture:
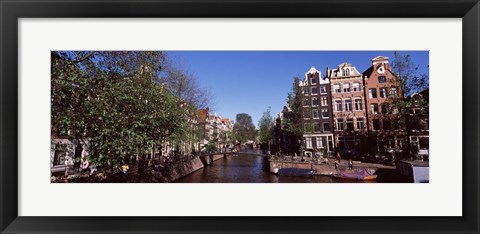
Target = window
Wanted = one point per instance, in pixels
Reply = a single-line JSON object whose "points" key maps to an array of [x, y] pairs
{"points": [[387, 125], [319, 142], [376, 124], [314, 90], [317, 127], [326, 127], [324, 101], [339, 124], [384, 108], [60, 154], [314, 101], [393, 92], [315, 114], [360, 124], [336, 88], [382, 79], [306, 114], [346, 88], [304, 91], [345, 72], [348, 105], [374, 108], [338, 105], [372, 93], [306, 101], [358, 104], [356, 87], [383, 92], [325, 113], [313, 80], [323, 90], [350, 124], [308, 142]]}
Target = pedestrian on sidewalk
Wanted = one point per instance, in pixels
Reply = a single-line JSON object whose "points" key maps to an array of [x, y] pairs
{"points": [[336, 164], [93, 168], [350, 164], [84, 165]]}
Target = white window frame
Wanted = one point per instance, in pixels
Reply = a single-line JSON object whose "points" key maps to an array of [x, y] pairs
{"points": [[315, 98], [337, 105], [336, 87], [318, 114], [323, 101], [356, 87], [313, 78], [384, 92], [323, 89], [311, 90], [357, 123], [350, 107], [338, 125], [308, 142], [326, 111], [355, 104], [345, 87], [319, 142]]}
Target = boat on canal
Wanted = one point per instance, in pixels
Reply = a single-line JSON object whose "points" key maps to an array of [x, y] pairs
{"points": [[355, 175], [295, 172]]}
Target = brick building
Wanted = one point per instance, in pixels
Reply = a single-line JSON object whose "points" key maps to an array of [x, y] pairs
{"points": [[382, 88], [348, 104], [316, 112]]}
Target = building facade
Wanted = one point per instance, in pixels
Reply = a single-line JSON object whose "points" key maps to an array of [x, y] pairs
{"points": [[316, 112], [382, 89], [348, 104]]}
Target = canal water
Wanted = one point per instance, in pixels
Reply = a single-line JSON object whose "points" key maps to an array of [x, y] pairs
{"points": [[248, 168]]}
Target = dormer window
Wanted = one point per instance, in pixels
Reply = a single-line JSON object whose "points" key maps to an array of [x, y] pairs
{"points": [[345, 72]]}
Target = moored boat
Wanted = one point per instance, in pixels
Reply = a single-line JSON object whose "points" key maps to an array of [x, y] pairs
{"points": [[355, 175], [295, 172]]}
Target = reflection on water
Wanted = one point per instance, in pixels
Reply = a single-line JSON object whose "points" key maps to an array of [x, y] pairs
{"points": [[247, 168]]}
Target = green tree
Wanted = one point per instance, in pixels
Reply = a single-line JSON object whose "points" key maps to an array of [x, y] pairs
{"points": [[410, 113], [113, 101], [244, 128], [292, 122], [265, 126]]}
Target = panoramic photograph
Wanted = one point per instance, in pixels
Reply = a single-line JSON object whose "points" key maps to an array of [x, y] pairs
{"points": [[239, 117]]}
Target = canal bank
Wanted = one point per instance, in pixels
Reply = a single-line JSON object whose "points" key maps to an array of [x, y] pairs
{"points": [[322, 166], [255, 168]]}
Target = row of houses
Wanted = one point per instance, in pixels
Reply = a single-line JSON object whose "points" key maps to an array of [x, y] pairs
{"points": [[348, 110], [215, 129]]}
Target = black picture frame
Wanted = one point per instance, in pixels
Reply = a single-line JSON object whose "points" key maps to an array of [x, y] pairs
{"points": [[11, 11]]}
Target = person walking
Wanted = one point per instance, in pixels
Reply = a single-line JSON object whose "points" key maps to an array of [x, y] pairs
{"points": [[350, 164], [84, 165]]}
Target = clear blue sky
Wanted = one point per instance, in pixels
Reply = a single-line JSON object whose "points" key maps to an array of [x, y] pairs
{"points": [[251, 81]]}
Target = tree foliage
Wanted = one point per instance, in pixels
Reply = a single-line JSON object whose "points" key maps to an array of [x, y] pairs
{"points": [[410, 82], [112, 100], [265, 127], [243, 128]]}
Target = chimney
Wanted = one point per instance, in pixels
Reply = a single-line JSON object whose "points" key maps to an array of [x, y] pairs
{"points": [[328, 72]]}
